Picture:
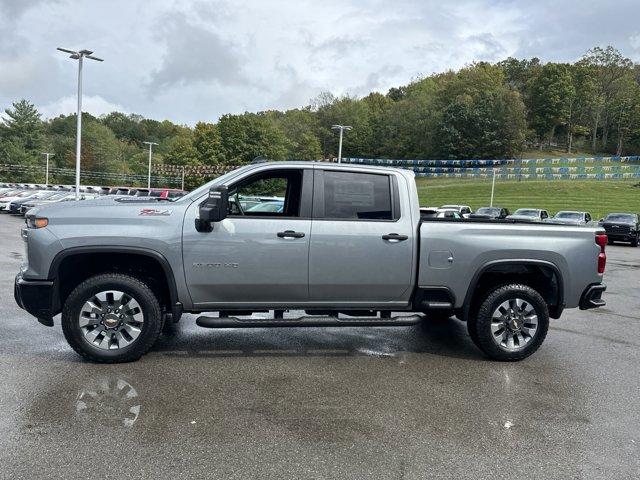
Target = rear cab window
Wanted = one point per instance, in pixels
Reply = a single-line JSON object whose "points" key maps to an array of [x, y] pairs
{"points": [[344, 195]]}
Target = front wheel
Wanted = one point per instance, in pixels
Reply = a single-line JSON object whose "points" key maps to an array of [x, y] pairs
{"points": [[112, 318], [511, 323], [634, 242]]}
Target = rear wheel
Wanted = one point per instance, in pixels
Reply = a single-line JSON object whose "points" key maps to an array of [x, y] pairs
{"points": [[511, 323], [112, 318]]}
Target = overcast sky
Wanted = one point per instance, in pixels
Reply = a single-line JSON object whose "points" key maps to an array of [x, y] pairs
{"points": [[196, 60]]}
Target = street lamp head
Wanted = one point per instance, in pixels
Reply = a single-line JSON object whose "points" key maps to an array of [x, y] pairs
{"points": [[82, 53], [66, 50], [151, 143]]}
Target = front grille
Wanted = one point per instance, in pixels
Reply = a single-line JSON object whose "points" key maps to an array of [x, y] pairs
{"points": [[617, 229]]}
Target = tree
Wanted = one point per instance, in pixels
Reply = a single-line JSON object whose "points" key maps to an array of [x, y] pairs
{"points": [[245, 137], [300, 127], [608, 66], [21, 133], [551, 94], [481, 117], [206, 143]]}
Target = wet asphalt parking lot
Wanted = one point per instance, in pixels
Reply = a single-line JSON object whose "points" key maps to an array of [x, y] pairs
{"points": [[403, 402]]}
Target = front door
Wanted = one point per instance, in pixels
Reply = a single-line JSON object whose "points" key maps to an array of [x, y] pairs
{"points": [[259, 253], [362, 240]]}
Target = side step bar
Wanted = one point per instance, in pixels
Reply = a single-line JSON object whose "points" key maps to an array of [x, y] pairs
{"points": [[234, 322]]}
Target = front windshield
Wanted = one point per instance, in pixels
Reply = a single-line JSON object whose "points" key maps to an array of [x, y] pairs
{"points": [[620, 217], [526, 212], [569, 215], [221, 180]]}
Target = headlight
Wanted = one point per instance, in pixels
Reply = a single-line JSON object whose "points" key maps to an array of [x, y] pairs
{"points": [[36, 222]]}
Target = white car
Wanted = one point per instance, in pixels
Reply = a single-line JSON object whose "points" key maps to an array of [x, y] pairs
{"points": [[448, 213], [530, 214], [463, 210], [5, 201]]}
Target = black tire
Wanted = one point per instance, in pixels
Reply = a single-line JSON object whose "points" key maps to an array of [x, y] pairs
{"points": [[634, 242], [610, 242], [150, 330], [479, 322]]}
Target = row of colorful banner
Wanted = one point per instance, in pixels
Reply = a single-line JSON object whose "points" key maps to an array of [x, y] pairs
{"points": [[534, 176], [530, 170], [490, 163]]}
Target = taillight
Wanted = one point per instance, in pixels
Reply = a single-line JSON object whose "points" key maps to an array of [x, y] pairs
{"points": [[601, 241]]}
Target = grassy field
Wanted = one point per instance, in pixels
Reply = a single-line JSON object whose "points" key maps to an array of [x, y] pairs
{"points": [[596, 196]]}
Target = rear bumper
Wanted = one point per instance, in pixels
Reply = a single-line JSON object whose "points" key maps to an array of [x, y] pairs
{"points": [[592, 296], [36, 297]]}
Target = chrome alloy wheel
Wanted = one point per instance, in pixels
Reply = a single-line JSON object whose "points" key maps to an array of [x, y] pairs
{"points": [[514, 324], [111, 320]]}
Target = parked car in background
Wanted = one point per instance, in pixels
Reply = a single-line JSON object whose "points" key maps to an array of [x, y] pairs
{"points": [[266, 207], [566, 217], [428, 212], [464, 210], [529, 214], [446, 213], [59, 197], [14, 206], [490, 212], [6, 200], [622, 227]]}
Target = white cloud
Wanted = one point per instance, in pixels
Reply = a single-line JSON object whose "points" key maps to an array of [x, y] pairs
{"points": [[198, 59], [93, 104]]}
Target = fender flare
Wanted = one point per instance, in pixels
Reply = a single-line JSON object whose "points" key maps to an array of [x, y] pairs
{"points": [[541, 263], [176, 306]]}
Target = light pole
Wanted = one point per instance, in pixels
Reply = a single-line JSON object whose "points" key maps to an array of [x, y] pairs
{"points": [[342, 128], [79, 55], [46, 176], [151, 144], [493, 186]]}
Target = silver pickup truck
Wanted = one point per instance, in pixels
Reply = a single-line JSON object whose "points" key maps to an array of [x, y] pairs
{"points": [[343, 243]]}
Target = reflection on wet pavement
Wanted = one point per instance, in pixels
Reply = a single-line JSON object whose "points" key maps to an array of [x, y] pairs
{"points": [[110, 401]]}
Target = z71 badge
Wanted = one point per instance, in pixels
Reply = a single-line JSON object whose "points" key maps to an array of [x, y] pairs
{"points": [[154, 212]]}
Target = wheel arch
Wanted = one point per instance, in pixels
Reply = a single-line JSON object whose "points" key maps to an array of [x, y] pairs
{"points": [[111, 258], [506, 268]]}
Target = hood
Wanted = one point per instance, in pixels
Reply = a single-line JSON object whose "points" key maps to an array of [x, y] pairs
{"points": [[622, 222], [523, 217], [481, 215], [564, 221], [103, 204]]}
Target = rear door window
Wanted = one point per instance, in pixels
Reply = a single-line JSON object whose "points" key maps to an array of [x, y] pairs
{"points": [[356, 196]]}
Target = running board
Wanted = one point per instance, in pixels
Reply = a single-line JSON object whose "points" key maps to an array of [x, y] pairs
{"points": [[234, 322]]}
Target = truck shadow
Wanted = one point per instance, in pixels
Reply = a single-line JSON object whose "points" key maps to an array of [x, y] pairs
{"points": [[443, 338]]}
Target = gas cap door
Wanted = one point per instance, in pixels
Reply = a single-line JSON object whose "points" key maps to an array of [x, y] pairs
{"points": [[440, 259]]}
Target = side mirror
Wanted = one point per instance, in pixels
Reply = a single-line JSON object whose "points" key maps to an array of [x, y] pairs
{"points": [[214, 208]]}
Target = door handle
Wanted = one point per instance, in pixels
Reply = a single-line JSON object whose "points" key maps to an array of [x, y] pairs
{"points": [[290, 234], [394, 236]]}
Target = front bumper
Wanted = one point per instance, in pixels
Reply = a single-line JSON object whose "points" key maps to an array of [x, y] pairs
{"points": [[36, 297], [622, 237], [592, 296]]}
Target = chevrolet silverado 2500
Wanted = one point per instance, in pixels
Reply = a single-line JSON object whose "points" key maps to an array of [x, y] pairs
{"points": [[348, 247]]}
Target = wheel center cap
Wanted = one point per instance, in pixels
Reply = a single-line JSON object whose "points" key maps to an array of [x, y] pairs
{"points": [[111, 320], [515, 324]]}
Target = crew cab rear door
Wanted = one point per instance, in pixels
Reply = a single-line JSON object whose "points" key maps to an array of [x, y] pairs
{"points": [[361, 240], [260, 252]]}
